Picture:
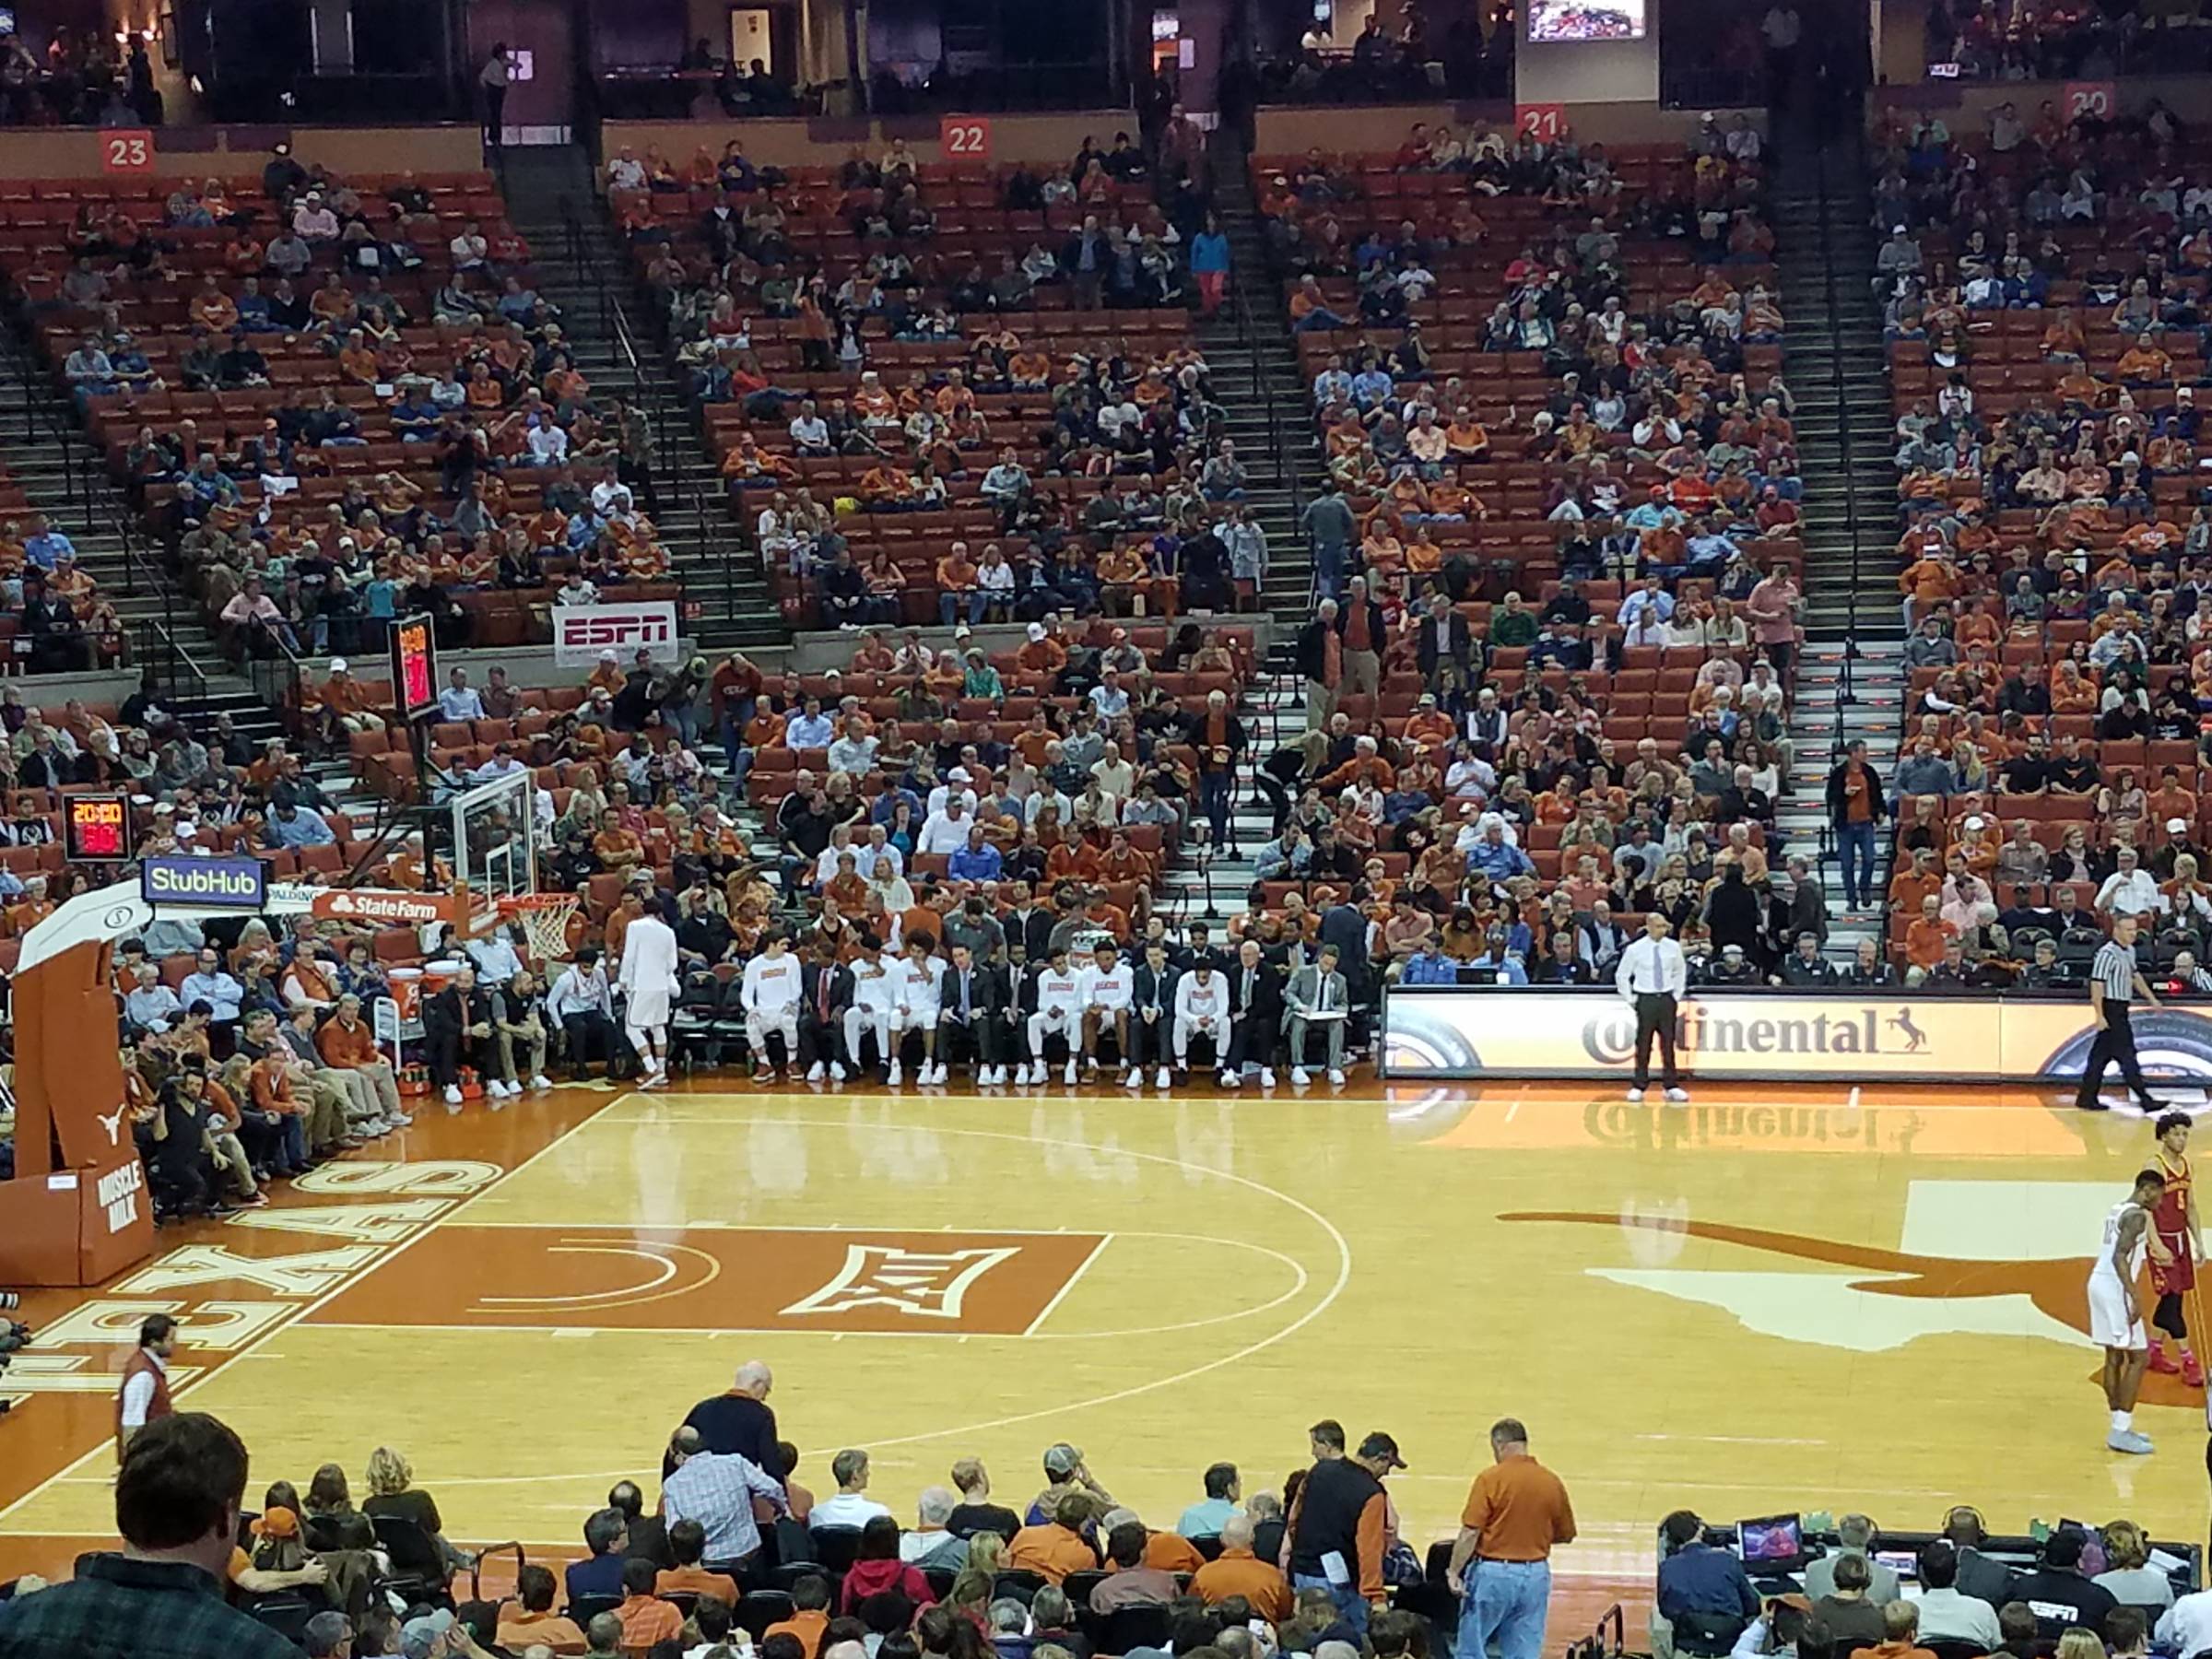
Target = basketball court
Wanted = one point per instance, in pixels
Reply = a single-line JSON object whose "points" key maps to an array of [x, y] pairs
{"points": [[1772, 1299]]}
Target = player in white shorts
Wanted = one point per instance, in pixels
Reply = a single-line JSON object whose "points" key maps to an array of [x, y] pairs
{"points": [[2116, 1308], [876, 974], [1107, 986], [769, 993], [920, 978], [1201, 1010], [1059, 994]]}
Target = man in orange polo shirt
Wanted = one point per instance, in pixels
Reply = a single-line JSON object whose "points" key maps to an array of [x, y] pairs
{"points": [[645, 1618], [1237, 1571], [1517, 1511], [1057, 1547]]}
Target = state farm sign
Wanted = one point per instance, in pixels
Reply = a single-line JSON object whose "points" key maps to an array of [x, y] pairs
{"points": [[582, 631], [395, 909]]}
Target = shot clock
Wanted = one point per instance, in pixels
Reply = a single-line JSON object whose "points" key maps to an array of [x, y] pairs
{"points": [[96, 829], [414, 666]]}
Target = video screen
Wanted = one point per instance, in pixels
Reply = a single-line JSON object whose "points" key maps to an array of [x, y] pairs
{"points": [[1775, 1540], [1558, 20]]}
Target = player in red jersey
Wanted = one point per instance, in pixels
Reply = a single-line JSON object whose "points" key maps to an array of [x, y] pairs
{"points": [[2176, 1244]]}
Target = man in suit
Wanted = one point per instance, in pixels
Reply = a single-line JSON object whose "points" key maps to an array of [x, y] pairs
{"points": [[1255, 1016], [1346, 926], [1029, 924], [645, 1536], [825, 993], [972, 999], [1443, 649], [1316, 992], [1152, 1013]]}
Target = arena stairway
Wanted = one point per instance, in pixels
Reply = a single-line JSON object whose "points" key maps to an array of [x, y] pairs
{"points": [[1853, 681], [46, 451], [588, 275]]}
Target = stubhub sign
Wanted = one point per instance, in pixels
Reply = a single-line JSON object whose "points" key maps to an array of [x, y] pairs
{"points": [[240, 884]]}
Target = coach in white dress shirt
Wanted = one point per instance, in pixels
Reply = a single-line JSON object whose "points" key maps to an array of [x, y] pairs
{"points": [[1652, 975]]}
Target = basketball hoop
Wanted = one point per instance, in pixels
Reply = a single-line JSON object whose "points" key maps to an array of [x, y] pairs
{"points": [[552, 923]]}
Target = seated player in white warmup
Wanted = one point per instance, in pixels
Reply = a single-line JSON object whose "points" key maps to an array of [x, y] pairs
{"points": [[876, 974], [769, 994], [1201, 1010], [919, 978], [1056, 996], [1107, 985]]}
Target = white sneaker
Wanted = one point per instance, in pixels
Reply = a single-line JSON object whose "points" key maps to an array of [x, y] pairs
{"points": [[1231, 1079], [1299, 1077], [1678, 1097], [937, 1074], [1068, 1074], [1021, 1075], [816, 1072], [892, 1077], [399, 1119], [1090, 1063], [986, 1075], [1337, 1076], [1635, 1096], [2128, 1440], [1161, 1079], [1266, 1077], [541, 1081], [452, 1098], [837, 1071]]}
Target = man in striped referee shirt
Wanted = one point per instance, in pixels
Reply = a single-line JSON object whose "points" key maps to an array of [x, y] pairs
{"points": [[2114, 979]]}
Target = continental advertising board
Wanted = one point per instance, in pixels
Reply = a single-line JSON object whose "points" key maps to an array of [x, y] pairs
{"points": [[1522, 1032]]}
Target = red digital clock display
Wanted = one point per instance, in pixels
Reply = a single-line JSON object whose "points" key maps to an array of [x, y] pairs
{"points": [[98, 828], [414, 667]]}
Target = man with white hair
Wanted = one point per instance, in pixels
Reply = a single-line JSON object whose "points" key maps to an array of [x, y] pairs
{"points": [[928, 1544], [740, 1419], [648, 980], [2130, 889]]}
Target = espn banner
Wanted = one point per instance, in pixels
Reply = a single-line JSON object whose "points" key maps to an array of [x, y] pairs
{"points": [[582, 631], [1449, 1032]]}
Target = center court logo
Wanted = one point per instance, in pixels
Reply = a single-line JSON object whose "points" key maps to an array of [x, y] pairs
{"points": [[1610, 1038]]}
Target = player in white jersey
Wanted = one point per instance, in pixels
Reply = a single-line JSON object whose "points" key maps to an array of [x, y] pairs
{"points": [[920, 979], [1059, 994], [769, 993], [2116, 1307], [876, 974], [1107, 986], [1201, 1010]]}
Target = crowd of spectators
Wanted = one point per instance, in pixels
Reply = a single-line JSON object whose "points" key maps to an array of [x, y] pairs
{"points": [[1551, 349], [903, 369], [2042, 285], [2030, 40], [84, 78], [332, 401]]}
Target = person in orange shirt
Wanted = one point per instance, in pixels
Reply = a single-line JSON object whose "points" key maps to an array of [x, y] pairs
{"points": [[1055, 1548], [1041, 653], [810, 1618], [1237, 1571], [1121, 862], [618, 848], [1929, 935], [687, 1544], [529, 1619], [1930, 581], [2144, 362], [645, 1618], [957, 588], [1908, 887]]}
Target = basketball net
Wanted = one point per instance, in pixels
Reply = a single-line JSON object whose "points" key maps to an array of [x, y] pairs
{"points": [[547, 919]]}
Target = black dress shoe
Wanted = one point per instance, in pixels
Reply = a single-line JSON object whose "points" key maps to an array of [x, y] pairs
{"points": [[2094, 1103]]}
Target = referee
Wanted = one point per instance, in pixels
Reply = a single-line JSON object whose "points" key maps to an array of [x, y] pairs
{"points": [[1651, 977], [2114, 979]]}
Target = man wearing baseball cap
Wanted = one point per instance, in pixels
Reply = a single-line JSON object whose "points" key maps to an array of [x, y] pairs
{"points": [[1336, 1525]]}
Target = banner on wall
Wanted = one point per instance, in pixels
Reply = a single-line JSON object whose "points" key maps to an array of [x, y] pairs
{"points": [[1515, 1032]]}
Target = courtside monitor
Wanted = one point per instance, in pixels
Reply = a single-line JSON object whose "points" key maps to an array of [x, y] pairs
{"points": [[1775, 1544], [414, 666]]}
